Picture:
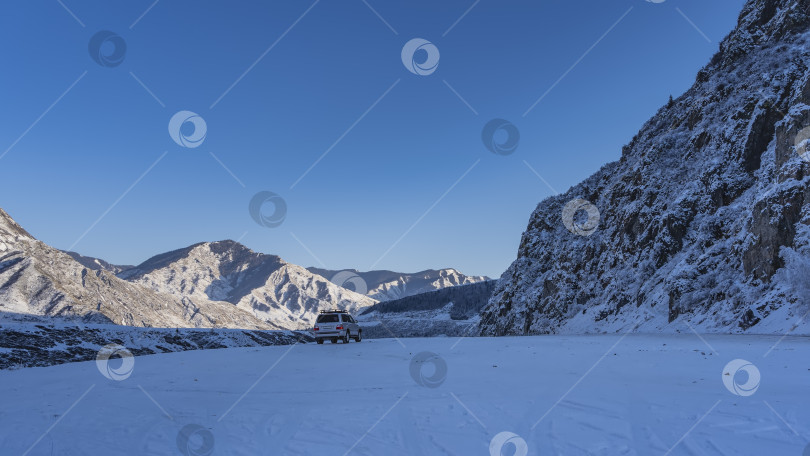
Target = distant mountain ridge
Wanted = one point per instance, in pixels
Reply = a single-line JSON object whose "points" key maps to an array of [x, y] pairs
{"points": [[381, 285], [467, 301], [452, 311], [385, 285], [97, 263], [208, 284], [263, 285], [36, 279]]}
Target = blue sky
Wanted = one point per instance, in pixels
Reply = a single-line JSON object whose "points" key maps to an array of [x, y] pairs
{"points": [[407, 186]]}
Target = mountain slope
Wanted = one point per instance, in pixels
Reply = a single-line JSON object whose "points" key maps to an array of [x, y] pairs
{"points": [[266, 286], [37, 279], [465, 300], [705, 219], [388, 285], [451, 311], [97, 264]]}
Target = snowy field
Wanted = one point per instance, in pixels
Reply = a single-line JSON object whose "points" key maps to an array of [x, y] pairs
{"points": [[599, 395]]}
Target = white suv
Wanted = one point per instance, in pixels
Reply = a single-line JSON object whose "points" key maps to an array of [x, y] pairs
{"points": [[336, 325]]}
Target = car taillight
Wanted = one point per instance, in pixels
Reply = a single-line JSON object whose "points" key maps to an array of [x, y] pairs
{"points": [[339, 327], [317, 328]]}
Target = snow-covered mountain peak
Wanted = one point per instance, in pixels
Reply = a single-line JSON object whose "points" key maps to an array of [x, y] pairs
{"points": [[264, 285], [387, 285], [11, 233], [42, 281], [217, 284], [228, 257]]}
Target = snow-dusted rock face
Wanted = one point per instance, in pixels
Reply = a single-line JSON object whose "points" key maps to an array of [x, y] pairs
{"points": [[36, 279], [266, 286], [705, 219], [390, 285]]}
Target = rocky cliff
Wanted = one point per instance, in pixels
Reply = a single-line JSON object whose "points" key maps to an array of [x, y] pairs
{"points": [[705, 219]]}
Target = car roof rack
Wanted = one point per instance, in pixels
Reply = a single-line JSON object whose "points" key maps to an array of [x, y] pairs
{"points": [[334, 311]]}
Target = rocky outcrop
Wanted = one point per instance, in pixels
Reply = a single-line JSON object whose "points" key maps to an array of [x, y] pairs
{"points": [[698, 218]]}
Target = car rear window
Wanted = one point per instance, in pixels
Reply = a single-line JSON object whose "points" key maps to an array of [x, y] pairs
{"points": [[327, 318]]}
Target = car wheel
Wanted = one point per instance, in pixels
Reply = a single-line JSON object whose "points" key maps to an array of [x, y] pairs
{"points": [[334, 340], [359, 336], [319, 341]]}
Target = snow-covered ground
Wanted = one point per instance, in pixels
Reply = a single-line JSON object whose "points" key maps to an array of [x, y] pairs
{"points": [[600, 395]]}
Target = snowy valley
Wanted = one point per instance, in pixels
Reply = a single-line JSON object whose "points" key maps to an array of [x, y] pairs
{"points": [[659, 307]]}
